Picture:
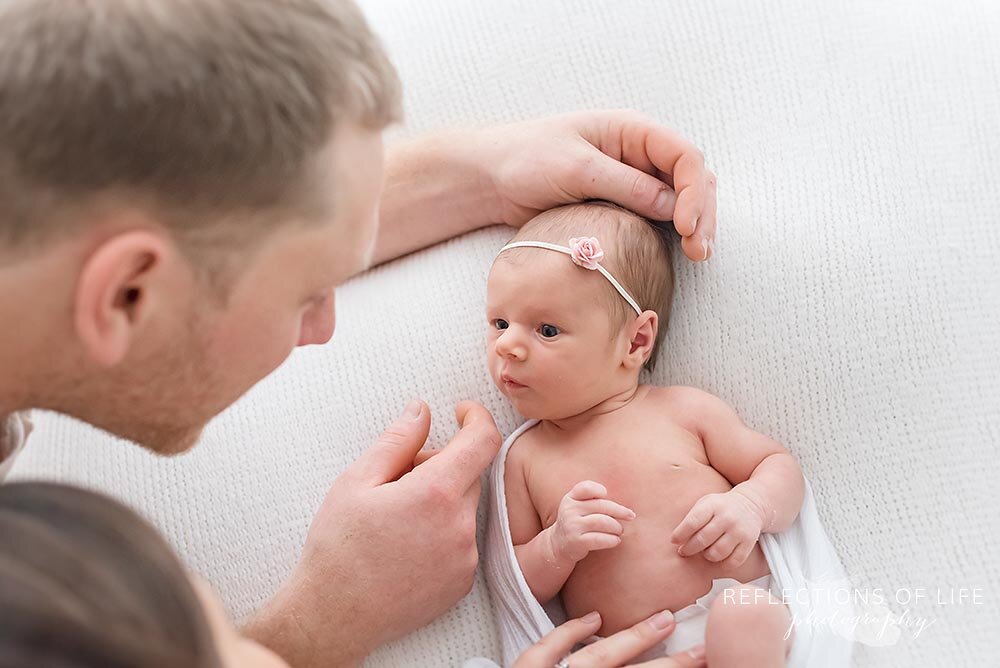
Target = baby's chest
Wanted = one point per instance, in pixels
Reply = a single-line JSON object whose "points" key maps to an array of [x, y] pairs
{"points": [[637, 472]]}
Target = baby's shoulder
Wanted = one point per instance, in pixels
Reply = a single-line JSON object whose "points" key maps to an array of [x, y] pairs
{"points": [[522, 446], [683, 404], [678, 396]]}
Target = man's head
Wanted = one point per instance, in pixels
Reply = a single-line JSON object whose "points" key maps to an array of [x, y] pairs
{"points": [[562, 339], [182, 185]]}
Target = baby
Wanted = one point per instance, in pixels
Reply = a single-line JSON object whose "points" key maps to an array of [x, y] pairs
{"points": [[623, 497]]}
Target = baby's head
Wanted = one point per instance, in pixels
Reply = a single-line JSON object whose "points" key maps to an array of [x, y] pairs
{"points": [[562, 339]]}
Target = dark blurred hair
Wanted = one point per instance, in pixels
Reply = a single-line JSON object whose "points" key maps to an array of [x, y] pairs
{"points": [[87, 583]]}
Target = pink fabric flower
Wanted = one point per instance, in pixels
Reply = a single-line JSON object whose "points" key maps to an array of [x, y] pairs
{"points": [[586, 252]]}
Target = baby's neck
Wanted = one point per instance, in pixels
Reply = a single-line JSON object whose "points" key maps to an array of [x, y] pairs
{"points": [[614, 403]]}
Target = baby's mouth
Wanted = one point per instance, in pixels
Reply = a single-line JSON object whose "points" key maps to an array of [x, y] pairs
{"points": [[510, 383]]}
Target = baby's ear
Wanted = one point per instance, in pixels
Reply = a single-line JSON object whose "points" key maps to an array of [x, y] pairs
{"points": [[642, 338]]}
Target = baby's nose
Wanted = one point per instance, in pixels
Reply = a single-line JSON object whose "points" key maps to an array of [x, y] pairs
{"points": [[510, 346]]}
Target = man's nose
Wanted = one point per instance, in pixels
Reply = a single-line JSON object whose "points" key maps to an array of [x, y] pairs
{"points": [[318, 321], [511, 344]]}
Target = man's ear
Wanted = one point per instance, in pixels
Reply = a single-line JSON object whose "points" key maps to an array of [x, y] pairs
{"points": [[113, 292], [642, 336]]}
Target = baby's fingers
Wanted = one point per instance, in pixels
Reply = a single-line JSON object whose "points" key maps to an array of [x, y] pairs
{"points": [[586, 490], [599, 541], [696, 519], [706, 536], [606, 507], [601, 523], [722, 548], [739, 555]]}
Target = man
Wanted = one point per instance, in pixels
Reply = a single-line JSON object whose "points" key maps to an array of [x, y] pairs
{"points": [[183, 184]]}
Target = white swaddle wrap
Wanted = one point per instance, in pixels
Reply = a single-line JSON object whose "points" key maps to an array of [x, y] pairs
{"points": [[804, 566]]}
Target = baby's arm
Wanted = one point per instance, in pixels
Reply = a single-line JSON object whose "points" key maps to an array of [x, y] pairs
{"points": [[765, 476], [586, 521], [544, 573]]}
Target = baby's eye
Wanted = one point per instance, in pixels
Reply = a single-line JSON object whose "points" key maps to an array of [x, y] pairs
{"points": [[548, 331], [500, 323]]}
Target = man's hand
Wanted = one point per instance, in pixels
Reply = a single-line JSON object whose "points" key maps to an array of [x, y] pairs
{"points": [[722, 526], [392, 547], [615, 650], [445, 184], [620, 156]]}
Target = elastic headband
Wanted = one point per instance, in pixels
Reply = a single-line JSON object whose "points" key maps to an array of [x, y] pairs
{"points": [[585, 252]]}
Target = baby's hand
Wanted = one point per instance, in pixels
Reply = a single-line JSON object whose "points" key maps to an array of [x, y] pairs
{"points": [[587, 521], [723, 526]]}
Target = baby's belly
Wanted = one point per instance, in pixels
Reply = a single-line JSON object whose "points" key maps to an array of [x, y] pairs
{"points": [[645, 574]]}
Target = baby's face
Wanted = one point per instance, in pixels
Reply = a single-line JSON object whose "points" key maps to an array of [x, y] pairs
{"points": [[550, 346]]}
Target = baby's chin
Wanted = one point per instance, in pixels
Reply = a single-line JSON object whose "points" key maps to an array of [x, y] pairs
{"points": [[531, 409], [526, 408]]}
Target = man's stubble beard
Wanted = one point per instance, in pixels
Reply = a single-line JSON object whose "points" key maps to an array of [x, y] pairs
{"points": [[160, 399]]}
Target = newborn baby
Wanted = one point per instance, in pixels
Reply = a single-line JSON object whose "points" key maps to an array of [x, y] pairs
{"points": [[623, 497]]}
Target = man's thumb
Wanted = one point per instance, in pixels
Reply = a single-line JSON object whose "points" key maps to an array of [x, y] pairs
{"points": [[393, 452]]}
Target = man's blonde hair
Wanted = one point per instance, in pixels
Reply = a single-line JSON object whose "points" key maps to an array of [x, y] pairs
{"points": [[636, 252], [207, 113]]}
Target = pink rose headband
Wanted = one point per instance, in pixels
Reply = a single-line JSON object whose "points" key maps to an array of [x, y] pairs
{"points": [[585, 252]]}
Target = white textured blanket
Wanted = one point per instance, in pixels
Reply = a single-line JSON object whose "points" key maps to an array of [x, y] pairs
{"points": [[804, 566], [852, 309]]}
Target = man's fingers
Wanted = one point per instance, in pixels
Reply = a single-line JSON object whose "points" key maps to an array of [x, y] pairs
{"points": [[675, 155], [707, 535], [708, 223], [692, 658], [661, 175], [423, 456], [643, 142], [619, 648], [470, 451], [473, 494], [394, 452], [631, 188], [557, 643], [700, 245]]}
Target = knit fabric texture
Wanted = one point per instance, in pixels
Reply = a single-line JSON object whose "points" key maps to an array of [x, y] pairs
{"points": [[852, 309]]}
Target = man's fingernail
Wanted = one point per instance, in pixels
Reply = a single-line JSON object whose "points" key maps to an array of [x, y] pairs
{"points": [[591, 617], [660, 204], [711, 247], [694, 225], [662, 620], [697, 652], [704, 247], [412, 411]]}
